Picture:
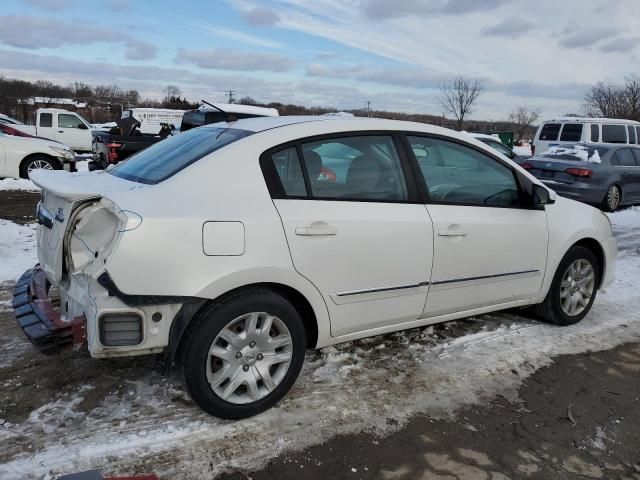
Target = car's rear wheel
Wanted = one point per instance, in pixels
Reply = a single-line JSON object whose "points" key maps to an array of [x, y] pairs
{"points": [[573, 289], [243, 354], [612, 199], [38, 162]]}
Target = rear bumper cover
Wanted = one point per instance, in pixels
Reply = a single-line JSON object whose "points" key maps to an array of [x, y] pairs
{"points": [[39, 319]]}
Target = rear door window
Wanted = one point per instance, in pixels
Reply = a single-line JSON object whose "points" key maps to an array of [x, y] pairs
{"points": [[287, 166], [625, 158], [595, 133], [571, 132], [614, 134], [632, 134], [355, 168], [549, 132]]}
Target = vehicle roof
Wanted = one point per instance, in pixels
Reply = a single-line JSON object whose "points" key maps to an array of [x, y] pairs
{"points": [[240, 108], [590, 120], [332, 124]]}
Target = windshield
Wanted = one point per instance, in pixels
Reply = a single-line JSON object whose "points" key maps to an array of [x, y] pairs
{"points": [[166, 158], [584, 153]]}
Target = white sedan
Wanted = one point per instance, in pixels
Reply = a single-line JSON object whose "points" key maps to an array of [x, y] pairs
{"points": [[21, 153], [233, 247]]}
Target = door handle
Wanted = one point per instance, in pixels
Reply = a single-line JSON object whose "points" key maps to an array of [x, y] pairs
{"points": [[60, 131], [453, 231], [310, 231]]}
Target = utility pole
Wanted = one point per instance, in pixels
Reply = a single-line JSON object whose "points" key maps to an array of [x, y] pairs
{"points": [[368, 108], [230, 95]]}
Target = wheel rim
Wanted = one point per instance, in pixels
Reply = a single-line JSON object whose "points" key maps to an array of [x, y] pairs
{"points": [[39, 165], [576, 289], [613, 197], [249, 358]]}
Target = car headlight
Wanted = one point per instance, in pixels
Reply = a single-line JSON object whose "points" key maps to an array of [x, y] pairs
{"points": [[66, 153]]}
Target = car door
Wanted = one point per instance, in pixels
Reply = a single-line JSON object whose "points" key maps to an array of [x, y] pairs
{"points": [[44, 126], [355, 227], [488, 249], [627, 162], [73, 132]]}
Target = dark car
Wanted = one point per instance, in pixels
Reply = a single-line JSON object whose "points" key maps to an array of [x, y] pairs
{"points": [[604, 175]]}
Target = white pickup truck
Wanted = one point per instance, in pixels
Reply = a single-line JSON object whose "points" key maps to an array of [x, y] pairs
{"points": [[62, 126]]}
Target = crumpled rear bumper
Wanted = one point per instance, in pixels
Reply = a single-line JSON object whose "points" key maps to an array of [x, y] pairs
{"points": [[39, 319]]}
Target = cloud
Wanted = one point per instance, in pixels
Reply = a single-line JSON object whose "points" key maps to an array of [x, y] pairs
{"points": [[398, 76], [42, 32], [587, 37], [236, 35], [511, 28], [382, 9], [50, 4], [226, 59], [261, 16], [526, 89], [620, 45]]}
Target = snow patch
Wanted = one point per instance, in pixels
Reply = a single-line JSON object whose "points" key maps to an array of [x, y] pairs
{"points": [[17, 249], [578, 151], [18, 184]]}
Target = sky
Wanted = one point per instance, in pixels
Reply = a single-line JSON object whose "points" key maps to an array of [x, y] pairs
{"points": [[335, 53]]}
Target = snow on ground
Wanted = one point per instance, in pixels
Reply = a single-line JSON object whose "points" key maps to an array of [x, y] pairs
{"points": [[373, 385], [17, 249], [18, 184]]}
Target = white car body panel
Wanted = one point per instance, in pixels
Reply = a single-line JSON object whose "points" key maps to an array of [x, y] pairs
{"points": [[159, 248], [14, 149]]}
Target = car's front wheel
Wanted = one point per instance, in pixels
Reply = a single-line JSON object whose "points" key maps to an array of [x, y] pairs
{"points": [[573, 289], [243, 354], [38, 162]]}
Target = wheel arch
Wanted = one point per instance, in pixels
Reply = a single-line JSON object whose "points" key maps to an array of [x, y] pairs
{"points": [[183, 320], [596, 248], [54, 160]]}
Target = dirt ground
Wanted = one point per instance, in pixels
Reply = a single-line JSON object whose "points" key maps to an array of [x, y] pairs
{"points": [[577, 419]]}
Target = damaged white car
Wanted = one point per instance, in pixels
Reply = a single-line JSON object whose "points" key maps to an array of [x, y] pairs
{"points": [[234, 247]]}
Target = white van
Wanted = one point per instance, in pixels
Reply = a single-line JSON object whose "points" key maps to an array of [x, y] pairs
{"points": [[151, 118], [570, 130]]}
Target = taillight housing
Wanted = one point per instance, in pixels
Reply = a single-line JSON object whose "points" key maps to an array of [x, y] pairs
{"points": [[112, 151], [527, 166], [580, 172]]}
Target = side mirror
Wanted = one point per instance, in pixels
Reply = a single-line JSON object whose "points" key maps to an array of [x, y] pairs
{"points": [[542, 196], [82, 126], [512, 155]]}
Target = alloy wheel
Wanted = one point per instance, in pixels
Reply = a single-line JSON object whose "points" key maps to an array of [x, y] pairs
{"points": [[249, 358], [613, 198], [577, 287], [39, 165]]}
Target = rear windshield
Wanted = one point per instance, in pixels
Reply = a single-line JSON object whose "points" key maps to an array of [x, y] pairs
{"points": [[167, 157], [550, 132], [577, 153], [571, 132]]}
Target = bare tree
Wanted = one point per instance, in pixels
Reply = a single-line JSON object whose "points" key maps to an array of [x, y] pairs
{"points": [[171, 92], [612, 100], [523, 117], [458, 96]]}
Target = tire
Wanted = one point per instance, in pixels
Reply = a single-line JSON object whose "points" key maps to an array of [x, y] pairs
{"points": [[552, 309], [243, 356], [612, 199], [38, 161]]}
